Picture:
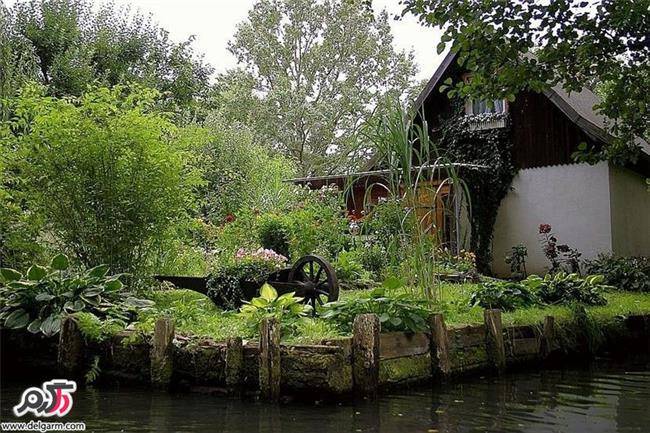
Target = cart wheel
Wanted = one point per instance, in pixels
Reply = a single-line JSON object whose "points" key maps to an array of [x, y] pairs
{"points": [[322, 285]]}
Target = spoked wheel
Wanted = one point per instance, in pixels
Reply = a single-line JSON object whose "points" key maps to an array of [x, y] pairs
{"points": [[319, 281]]}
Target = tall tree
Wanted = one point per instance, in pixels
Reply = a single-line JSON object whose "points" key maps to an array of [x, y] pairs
{"points": [[73, 46], [515, 45], [313, 71]]}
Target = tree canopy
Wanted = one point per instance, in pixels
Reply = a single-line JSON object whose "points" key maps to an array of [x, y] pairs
{"points": [[516, 45], [312, 74], [66, 45]]}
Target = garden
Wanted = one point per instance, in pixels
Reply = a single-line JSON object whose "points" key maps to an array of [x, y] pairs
{"points": [[117, 177], [120, 194]]}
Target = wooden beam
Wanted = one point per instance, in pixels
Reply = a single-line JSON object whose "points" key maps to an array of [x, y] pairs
{"points": [[162, 352], [365, 354], [440, 364], [269, 371], [495, 346]]}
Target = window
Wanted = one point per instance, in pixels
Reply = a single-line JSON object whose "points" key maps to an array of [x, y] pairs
{"points": [[476, 107], [480, 106]]}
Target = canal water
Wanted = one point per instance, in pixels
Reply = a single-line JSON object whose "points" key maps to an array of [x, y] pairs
{"points": [[605, 396]]}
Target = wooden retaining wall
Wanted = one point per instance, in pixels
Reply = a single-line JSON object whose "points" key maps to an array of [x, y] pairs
{"points": [[361, 364]]}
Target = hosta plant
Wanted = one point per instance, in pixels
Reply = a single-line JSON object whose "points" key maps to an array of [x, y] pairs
{"points": [[504, 295], [288, 309], [563, 288], [40, 299], [396, 311], [624, 273]]}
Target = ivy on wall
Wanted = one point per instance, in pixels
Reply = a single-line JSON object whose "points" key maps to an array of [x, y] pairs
{"points": [[463, 142]]}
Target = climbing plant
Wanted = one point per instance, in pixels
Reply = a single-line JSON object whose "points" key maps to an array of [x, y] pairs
{"points": [[463, 142]]}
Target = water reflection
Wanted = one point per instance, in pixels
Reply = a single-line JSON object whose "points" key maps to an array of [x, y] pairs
{"points": [[606, 398]]}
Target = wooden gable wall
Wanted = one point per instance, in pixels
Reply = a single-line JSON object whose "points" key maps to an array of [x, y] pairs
{"points": [[542, 134]]}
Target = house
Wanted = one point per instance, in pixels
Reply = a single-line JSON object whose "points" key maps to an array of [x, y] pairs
{"points": [[593, 208]]}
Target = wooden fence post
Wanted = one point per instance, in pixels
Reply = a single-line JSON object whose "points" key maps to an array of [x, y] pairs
{"points": [[440, 363], [365, 354], [495, 346], [162, 352], [269, 371], [70, 354], [548, 336], [234, 361]]}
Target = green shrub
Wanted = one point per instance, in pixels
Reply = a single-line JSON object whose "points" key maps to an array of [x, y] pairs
{"points": [[623, 273], [464, 262], [225, 240], [274, 233], [397, 312], [504, 295], [348, 267], [562, 288], [387, 222], [240, 173], [225, 283], [41, 299], [374, 259], [516, 258], [109, 172], [95, 329], [319, 223], [313, 223]]}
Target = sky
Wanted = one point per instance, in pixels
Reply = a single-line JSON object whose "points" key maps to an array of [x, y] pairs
{"points": [[213, 23]]}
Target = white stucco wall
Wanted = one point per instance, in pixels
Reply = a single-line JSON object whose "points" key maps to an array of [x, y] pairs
{"points": [[630, 200], [574, 199]]}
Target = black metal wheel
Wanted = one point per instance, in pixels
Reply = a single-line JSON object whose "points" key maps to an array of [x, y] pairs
{"points": [[318, 278]]}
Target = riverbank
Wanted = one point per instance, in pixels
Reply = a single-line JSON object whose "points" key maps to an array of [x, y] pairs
{"points": [[365, 363]]}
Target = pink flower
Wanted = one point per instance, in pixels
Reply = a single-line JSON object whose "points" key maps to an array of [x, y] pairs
{"points": [[544, 228]]}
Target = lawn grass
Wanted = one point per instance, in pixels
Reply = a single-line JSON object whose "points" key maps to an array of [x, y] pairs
{"points": [[195, 315]]}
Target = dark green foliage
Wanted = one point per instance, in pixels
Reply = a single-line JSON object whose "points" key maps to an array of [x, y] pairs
{"points": [[374, 259], [386, 222], [319, 223], [623, 273], [226, 284], [397, 312], [562, 288], [224, 288], [491, 148], [504, 295], [349, 267], [274, 233], [517, 261], [40, 299]]}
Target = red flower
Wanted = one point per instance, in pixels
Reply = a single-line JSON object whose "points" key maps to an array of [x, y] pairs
{"points": [[230, 218], [544, 228]]}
